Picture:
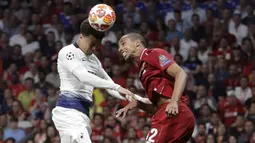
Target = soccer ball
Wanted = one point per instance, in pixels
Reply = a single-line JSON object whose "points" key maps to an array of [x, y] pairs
{"points": [[101, 17]]}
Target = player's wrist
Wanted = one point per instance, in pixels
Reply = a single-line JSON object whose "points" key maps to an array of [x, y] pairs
{"points": [[174, 100], [116, 87]]}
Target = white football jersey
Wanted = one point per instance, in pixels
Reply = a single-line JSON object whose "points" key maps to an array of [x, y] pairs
{"points": [[70, 57]]}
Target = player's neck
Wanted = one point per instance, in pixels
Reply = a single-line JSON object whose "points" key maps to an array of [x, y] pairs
{"points": [[138, 53], [83, 48]]}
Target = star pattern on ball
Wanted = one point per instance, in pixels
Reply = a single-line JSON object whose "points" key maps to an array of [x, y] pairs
{"points": [[69, 56]]}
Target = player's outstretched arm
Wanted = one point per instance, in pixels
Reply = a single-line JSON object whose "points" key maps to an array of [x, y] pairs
{"points": [[68, 59], [105, 76], [116, 94]]}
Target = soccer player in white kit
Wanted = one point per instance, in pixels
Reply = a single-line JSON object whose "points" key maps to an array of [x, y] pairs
{"points": [[80, 71]]}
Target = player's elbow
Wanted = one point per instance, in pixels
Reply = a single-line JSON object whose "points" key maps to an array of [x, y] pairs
{"points": [[183, 75]]}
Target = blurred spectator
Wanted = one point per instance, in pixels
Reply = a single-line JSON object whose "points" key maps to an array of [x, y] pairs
{"points": [[5, 49], [53, 77], [243, 92], [32, 73], [51, 133], [19, 38], [192, 61], [230, 108], [109, 133], [12, 69], [97, 128], [13, 131], [198, 31], [131, 11], [187, 43], [221, 70], [41, 136], [172, 31], [210, 138], [216, 88], [201, 136], [28, 94], [31, 45], [3, 105], [17, 56], [236, 28], [221, 133], [10, 140], [117, 77], [8, 98], [204, 99], [17, 110], [233, 78], [131, 134], [203, 50], [1, 135]]}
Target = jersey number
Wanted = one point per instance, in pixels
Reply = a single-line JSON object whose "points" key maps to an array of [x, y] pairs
{"points": [[151, 135]]}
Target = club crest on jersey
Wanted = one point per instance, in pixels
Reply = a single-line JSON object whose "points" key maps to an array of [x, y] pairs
{"points": [[69, 56], [163, 60]]}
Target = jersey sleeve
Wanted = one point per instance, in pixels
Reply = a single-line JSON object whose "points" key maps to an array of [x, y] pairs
{"points": [[102, 73], [69, 59], [161, 59]]}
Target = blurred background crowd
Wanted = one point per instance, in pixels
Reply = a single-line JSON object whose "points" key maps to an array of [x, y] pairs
{"points": [[212, 40]]}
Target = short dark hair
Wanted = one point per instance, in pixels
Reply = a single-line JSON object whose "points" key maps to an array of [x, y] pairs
{"points": [[29, 78], [14, 119], [100, 115], [109, 127], [177, 11], [86, 30], [245, 77], [135, 36]]}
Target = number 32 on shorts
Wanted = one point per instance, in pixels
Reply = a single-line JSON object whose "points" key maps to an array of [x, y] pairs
{"points": [[151, 135]]}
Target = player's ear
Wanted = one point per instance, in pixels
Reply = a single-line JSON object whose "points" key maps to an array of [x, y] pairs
{"points": [[81, 36], [137, 43]]}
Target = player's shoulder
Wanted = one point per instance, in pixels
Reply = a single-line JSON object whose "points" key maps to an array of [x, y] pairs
{"points": [[68, 48], [156, 52], [159, 50], [67, 51], [94, 58]]}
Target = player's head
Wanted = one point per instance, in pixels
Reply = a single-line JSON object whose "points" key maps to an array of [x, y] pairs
{"points": [[89, 37], [131, 45]]}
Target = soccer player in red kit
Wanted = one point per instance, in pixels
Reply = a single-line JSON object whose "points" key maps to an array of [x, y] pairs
{"points": [[164, 82]]}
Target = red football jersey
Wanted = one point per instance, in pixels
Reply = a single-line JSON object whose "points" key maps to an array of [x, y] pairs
{"points": [[229, 112], [152, 65]]}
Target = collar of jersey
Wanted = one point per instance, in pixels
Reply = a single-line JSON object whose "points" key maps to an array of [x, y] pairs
{"points": [[141, 56]]}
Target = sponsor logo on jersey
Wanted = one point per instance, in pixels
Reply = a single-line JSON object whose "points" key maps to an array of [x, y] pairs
{"points": [[163, 60], [69, 56]]}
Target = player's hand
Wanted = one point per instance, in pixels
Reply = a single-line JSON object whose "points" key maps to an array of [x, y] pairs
{"points": [[172, 108], [124, 110], [128, 94]]}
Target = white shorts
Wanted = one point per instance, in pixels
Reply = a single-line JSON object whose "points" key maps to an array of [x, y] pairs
{"points": [[73, 126]]}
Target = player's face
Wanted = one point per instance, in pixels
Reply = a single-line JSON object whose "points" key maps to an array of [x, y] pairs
{"points": [[88, 44], [126, 48]]}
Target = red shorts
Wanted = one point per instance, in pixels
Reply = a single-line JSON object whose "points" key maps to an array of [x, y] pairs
{"points": [[176, 129]]}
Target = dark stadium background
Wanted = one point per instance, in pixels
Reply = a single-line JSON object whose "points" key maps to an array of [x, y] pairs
{"points": [[213, 40]]}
